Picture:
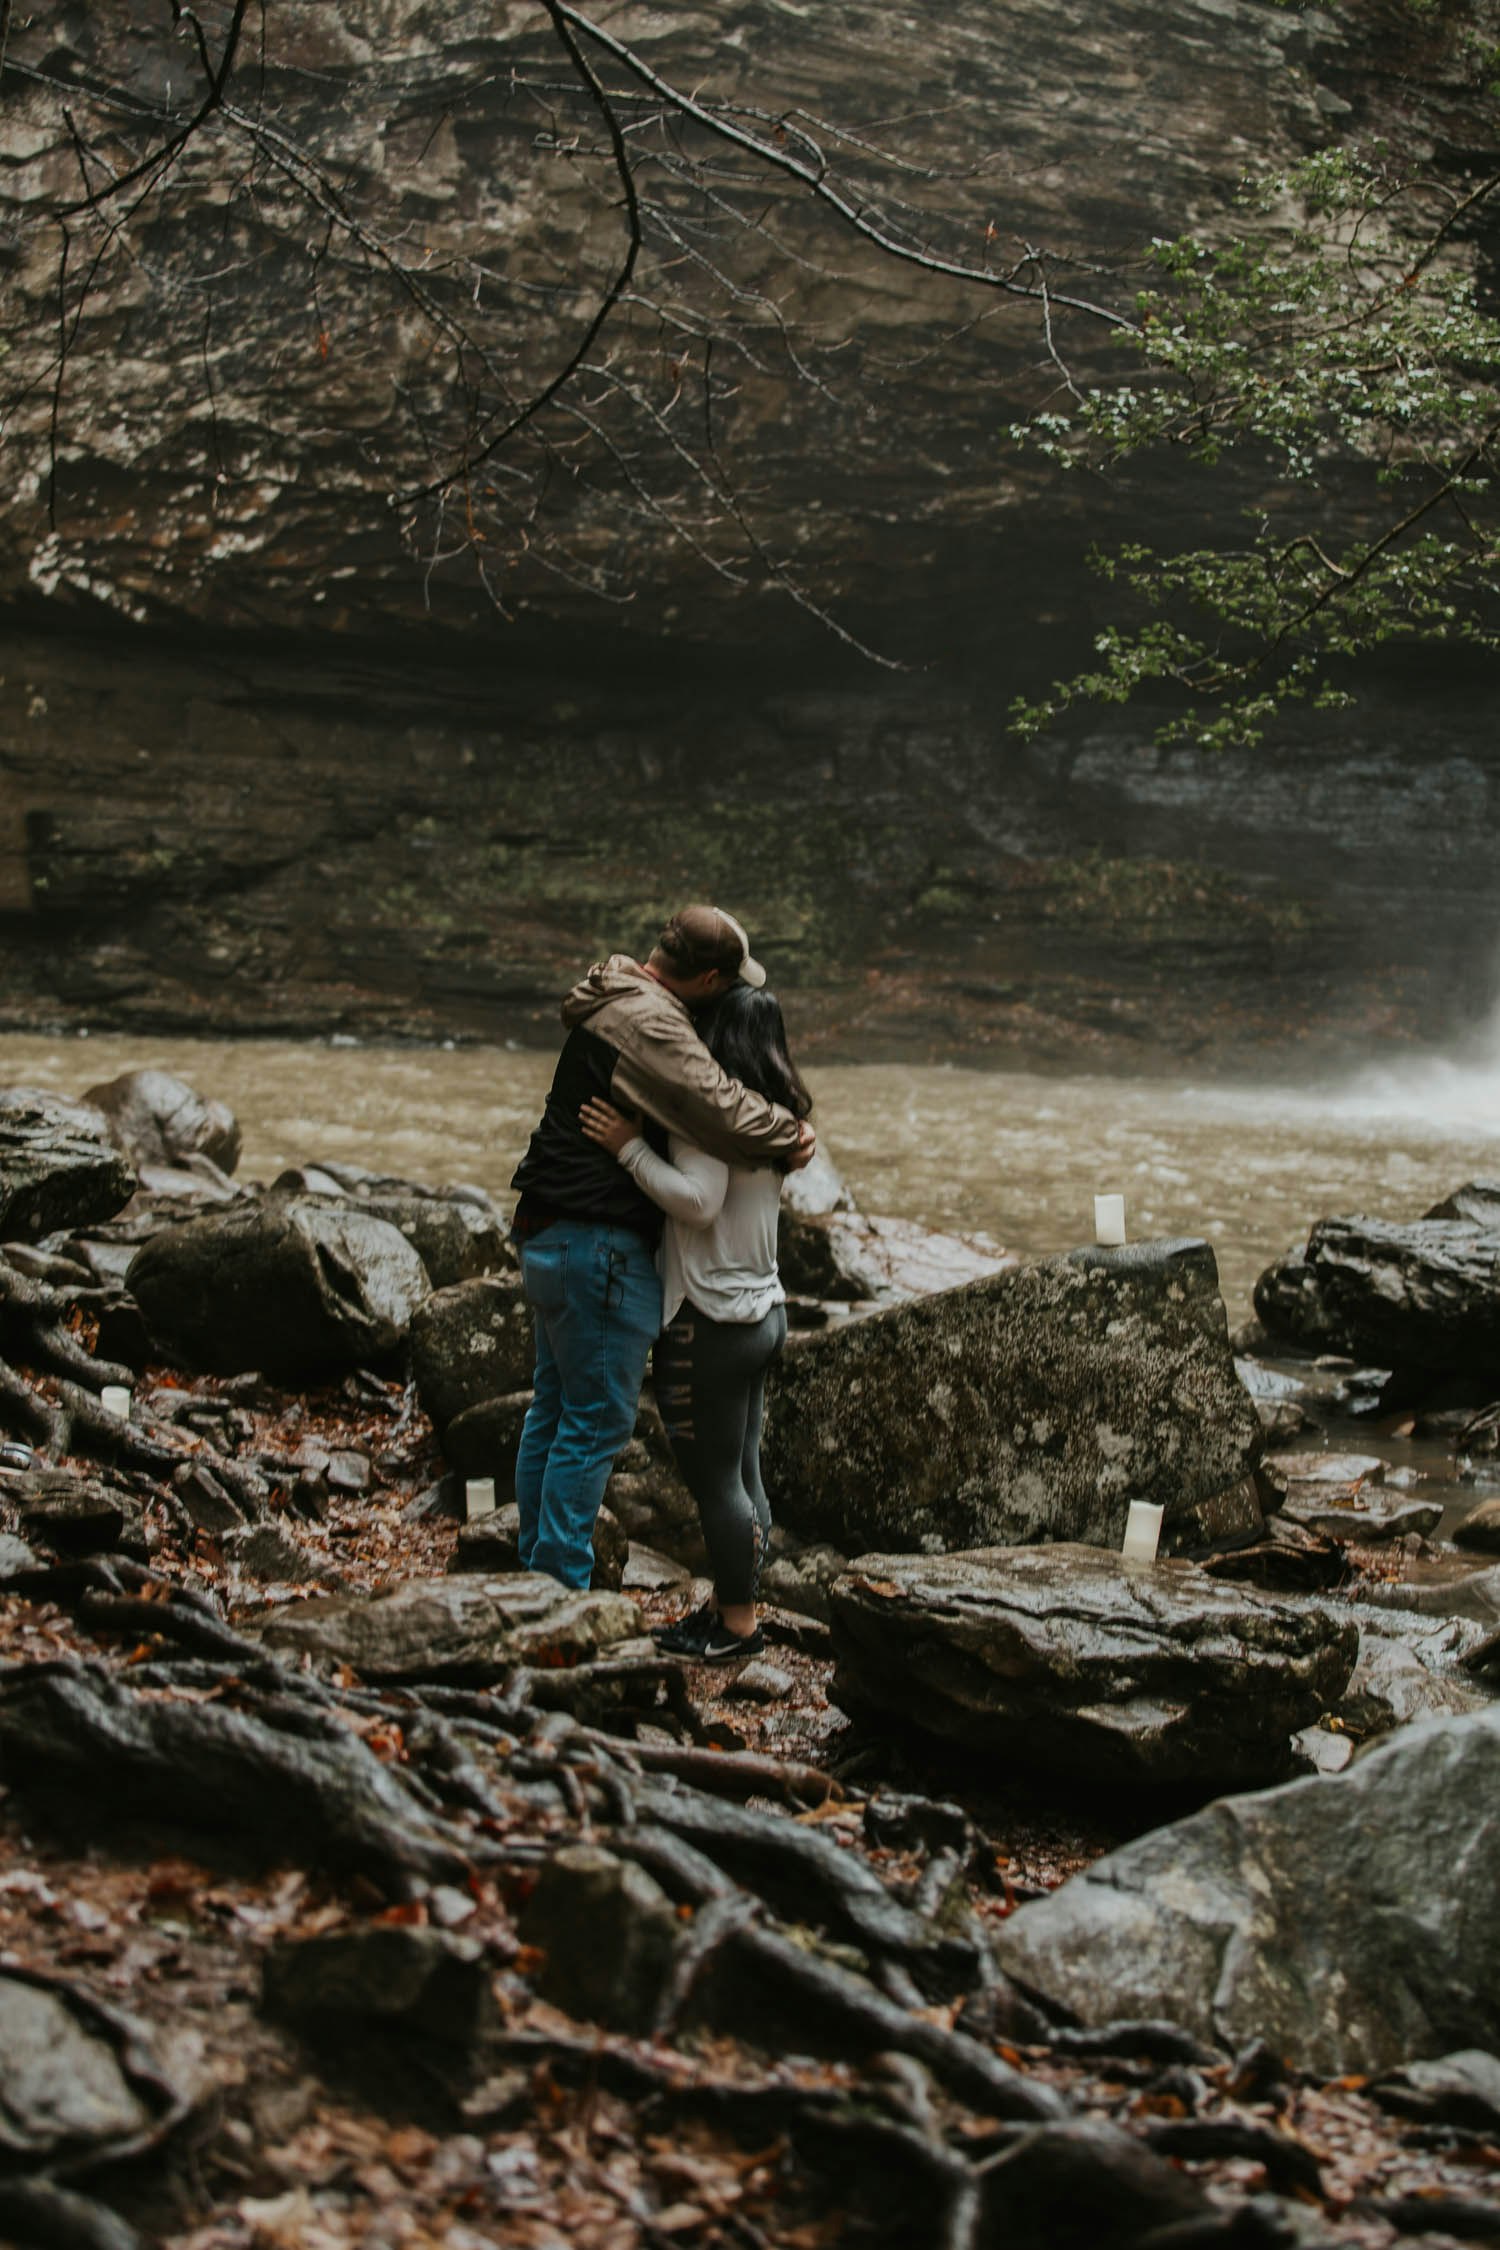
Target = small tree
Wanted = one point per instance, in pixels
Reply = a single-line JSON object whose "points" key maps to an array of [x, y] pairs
{"points": [[1343, 347]]}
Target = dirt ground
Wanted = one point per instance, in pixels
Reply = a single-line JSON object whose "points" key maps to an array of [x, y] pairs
{"points": [[289, 2146]]}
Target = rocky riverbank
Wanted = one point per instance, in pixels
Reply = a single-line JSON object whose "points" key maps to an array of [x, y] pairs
{"points": [[369, 1885]]}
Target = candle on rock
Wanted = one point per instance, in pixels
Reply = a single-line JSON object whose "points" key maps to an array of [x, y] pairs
{"points": [[1109, 1220], [1142, 1532]]}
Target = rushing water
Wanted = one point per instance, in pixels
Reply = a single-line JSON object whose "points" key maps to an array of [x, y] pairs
{"points": [[1016, 1156]]}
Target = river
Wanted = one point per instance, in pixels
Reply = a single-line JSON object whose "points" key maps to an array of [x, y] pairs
{"points": [[1014, 1155]]}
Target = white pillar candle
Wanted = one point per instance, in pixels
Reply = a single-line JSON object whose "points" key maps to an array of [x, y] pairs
{"points": [[1142, 1531], [115, 1399], [1109, 1219], [479, 1497]]}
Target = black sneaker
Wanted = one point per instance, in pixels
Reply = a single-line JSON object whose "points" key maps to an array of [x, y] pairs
{"points": [[696, 1621], [707, 1640]]}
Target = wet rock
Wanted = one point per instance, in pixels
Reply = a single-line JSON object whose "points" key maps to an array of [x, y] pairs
{"points": [[456, 1231], [818, 1188], [648, 1572], [62, 2087], [483, 1441], [159, 1120], [75, 1514], [208, 1505], [648, 1495], [264, 1551], [1084, 2182], [1288, 1558], [1367, 1518], [39, 2215], [843, 1256], [1344, 1496], [799, 1579], [1290, 1307], [1476, 1446], [76, 2075], [461, 1628], [1409, 1667], [470, 1343], [444, 1498], [1060, 1657], [1421, 1299], [609, 1933], [1458, 1592], [1476, 1203], [491, 1543], [1480, 1529], [1349, 1471], [1462, 2090], [759, 1682], [16, 1557], [348, 1472], [59, 1167], [196, 1181], [1282, 1418], [1321, 1749], [1033, 1405], [1349, 1920], [409, 1983], [287, 1286]]}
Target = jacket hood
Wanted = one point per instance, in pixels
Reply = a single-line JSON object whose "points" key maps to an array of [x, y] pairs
{"points": [[607, 980]]}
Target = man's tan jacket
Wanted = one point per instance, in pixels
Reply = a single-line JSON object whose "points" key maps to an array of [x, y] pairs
{"points": [[663, 1068]]}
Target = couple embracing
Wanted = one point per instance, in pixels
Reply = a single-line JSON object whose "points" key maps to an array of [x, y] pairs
{"points": [[647, 1217]]}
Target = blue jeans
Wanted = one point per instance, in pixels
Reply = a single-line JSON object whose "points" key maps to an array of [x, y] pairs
{"points": [[596, 1299]]}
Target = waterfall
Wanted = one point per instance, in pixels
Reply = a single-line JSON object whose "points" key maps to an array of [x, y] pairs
{"points": [[1454, 1092]]}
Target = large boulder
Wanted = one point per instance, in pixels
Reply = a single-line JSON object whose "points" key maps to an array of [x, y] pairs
{"points": [[1421, 1299], [1033, 1405], [159, 1120], [844, 1256], [456, 1231], [471, 1343], [1066, 1659], [292, 1287], [1350, 1922], [464, 1629], [58, 1165]]}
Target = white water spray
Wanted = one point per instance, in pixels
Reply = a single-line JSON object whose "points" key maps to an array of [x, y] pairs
{"points": [[1454, 1093]]}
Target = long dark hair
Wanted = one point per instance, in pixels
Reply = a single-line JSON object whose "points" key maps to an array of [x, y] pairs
{"points": [[744, 1032]]}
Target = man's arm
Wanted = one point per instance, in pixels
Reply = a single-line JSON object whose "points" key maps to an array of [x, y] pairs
{"points": [[668, 1072]]}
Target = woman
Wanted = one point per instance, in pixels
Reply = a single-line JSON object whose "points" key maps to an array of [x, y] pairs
{"points": [[724, 1315]]}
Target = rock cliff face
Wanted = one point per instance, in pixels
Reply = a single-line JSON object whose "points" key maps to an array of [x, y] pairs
{"points": [[363, 795], [392, 233]]}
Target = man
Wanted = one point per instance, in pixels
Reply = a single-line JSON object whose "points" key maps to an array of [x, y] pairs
{"points": [[586, 1234]]}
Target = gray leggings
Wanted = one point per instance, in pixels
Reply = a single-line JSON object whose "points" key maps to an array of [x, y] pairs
{"points": [[711, 1387]]}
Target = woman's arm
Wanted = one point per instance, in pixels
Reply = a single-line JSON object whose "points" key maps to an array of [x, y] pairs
{"points": [[691, 1189]]}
